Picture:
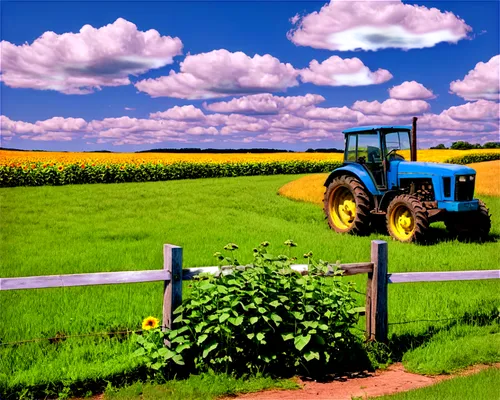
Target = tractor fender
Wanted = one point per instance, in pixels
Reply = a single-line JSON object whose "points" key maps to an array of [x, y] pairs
{"points": [[358, 172], [387, 198]]}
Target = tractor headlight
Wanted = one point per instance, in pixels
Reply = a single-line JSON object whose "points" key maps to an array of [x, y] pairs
{"points": [[462, 179], [471, 177]]}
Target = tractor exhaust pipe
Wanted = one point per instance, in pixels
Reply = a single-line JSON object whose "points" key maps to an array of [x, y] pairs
{"points": [[413, 148]]}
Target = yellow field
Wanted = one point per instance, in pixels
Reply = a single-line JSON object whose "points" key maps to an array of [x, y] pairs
{"points": [[310, 188], [24, 157]]}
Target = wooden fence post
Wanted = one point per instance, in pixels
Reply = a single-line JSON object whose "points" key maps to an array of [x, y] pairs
{"points": [[172, 290], [376, 293]]}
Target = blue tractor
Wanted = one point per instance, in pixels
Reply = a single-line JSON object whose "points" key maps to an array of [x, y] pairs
{"points": [[376, 183]]}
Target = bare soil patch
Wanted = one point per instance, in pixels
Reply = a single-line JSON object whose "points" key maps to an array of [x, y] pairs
{"points": [[358, 385]]}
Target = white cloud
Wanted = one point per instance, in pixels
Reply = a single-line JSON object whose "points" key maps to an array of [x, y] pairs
{"points": [[482, 82], [392, 107], [80, 63], [53, 129], [220, 73], [181, 113], [476, 111], [375, 25], [336, 71], [333, 113], [411, 90], [301, 122], [265, 103]]}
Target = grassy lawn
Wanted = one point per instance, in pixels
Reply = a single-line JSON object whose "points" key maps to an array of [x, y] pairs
{"points": [[113, 227], [481, 386], [206, 386]]}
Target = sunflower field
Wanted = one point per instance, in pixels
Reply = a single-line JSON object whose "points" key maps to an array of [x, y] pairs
{"points": [[18, 168]]}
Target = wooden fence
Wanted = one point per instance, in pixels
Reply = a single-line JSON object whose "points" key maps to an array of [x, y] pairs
{"points": [[173, 274]]}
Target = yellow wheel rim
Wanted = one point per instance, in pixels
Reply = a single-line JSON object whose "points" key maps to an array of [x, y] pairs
{"points": [[402, 222], [342, 208]]}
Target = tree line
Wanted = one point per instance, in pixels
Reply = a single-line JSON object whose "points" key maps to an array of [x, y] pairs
{"points": [[461, 145]]}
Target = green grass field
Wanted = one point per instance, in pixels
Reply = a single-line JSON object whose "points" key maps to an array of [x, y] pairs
{"points": [[113, 227]]}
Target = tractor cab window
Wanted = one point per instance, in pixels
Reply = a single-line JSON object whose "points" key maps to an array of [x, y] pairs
{"points": [[370, 156], [397, 145], [351, 147], [369, 149]]}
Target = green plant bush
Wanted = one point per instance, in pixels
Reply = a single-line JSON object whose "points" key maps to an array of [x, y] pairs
{"points": [[473, 158], [39, 174], [263, 317]]}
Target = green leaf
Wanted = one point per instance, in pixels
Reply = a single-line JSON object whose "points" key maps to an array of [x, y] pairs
{"points": [[250, 335], [223, 317], [139, 352], [207, 286], [262, 310], [310, 355], [182, 347], [323, 327], [222, 289], [260, 336], [236, 321], [178, 359], [156, 365], [309, 308], [287, 336], [274, 303], [179, 309], [301, 341], [337, 334], [298, 315], [276, 318], [201, 339], [359, 309], [211, 346], [319, 339], [253, 320]]}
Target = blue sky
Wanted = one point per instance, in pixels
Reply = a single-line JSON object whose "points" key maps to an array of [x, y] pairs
{"points": [[251, 28]]}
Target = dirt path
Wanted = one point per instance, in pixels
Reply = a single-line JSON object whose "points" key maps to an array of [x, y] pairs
{"points": [[383, 382]]}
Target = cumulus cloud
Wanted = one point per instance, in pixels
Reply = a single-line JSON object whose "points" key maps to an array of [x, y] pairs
{"points": [[483, 82], [337, 71], [333, 113], [220, 73], [296, 122], [53, 129], [374, 25], [443, 121], [392, 107], [264, 103], [411, 90], [479, 110], [80, 63], [188, 113]]}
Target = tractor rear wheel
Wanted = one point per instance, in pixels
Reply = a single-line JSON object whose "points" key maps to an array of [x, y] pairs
{"points": [[473, 225], [407, 219], [347, 206]]}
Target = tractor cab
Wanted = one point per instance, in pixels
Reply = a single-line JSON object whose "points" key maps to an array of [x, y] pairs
{"points": [[375, 148], [381, 179]]}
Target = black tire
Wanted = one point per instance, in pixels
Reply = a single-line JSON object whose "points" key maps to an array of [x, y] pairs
{"points": [[473, 225], [407, 219], [360, 223]]}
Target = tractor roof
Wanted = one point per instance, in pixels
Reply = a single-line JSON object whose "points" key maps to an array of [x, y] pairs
{"points": [[369, 129]]}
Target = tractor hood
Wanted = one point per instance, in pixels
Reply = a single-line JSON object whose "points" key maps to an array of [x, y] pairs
{"points": [[430, 168]]}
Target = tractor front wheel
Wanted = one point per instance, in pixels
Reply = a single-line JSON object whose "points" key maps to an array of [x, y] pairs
{"points": [[347, 206], [473, 225], [407, 219]]}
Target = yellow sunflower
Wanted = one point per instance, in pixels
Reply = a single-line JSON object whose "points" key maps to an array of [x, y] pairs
{"points": [[150, 323]]}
